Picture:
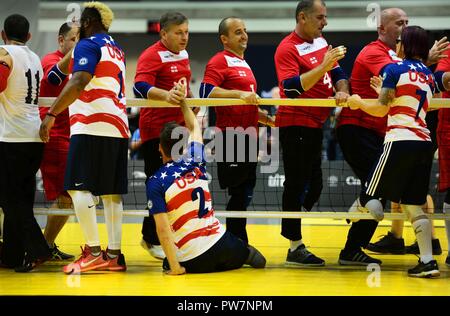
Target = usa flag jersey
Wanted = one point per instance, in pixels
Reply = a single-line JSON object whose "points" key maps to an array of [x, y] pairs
{"points": [[229, 71], [414, 86], [160, 67], [180, 189], [100, 110], [294, 56]]}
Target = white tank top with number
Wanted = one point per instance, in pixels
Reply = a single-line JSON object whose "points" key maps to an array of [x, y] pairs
{"points": [[19, 113]]}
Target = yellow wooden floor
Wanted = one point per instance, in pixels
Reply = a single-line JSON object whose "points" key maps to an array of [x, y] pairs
{"points": [[144, 276]]}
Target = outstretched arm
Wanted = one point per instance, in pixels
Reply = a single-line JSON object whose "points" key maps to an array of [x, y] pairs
{"points": [[379, 108], [190, 119]]}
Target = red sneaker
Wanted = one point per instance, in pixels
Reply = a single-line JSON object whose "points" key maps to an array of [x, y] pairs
{"points": [[114, 264], [86, 262]]}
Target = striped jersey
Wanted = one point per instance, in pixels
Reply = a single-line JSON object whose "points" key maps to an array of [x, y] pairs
{"points": [[19, 113], [180, 188], [100, 110], [414, 86]]}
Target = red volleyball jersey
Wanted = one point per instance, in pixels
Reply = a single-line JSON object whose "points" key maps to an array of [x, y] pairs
{"points": [[160, 68], [229, 71], [370, 62], [295, 56], [61, 128]]}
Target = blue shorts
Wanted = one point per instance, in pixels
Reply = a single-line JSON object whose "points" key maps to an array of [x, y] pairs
{"points": [[97, 164]]}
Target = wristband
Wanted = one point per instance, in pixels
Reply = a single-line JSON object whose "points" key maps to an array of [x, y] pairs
{"points": [[51, 114]]}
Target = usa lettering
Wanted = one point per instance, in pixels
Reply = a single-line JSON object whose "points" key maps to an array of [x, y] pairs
{"points": [[188, 178]]}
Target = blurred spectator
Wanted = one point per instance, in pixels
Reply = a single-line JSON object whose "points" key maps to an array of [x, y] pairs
{"points": [[135, 146]]}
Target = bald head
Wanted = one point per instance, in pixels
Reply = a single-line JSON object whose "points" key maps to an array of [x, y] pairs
{"points": [[392, 22], [391, 14]]}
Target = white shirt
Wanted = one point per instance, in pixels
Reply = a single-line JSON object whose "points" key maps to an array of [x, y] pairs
{"points": [[19, 113]]}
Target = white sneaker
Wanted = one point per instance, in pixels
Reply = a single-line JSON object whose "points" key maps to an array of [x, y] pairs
{"points": [[155, 251], [357, 208]]}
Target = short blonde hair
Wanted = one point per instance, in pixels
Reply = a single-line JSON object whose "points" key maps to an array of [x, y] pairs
{"points": [[105, 12]]}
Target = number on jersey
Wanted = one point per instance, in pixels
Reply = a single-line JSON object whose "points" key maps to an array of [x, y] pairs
{"points": [[29, 98], [327, 80]]}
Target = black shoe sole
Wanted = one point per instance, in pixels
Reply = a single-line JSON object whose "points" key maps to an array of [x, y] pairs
{"points": [[296, 264], [355, 263]]}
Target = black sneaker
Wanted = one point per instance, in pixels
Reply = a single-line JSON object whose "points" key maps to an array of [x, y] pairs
{"points": [[302, 257], [29, 265], [255, 258], [422, 270], [414, 248], [388, 244], [57, 254], [356, 258]]}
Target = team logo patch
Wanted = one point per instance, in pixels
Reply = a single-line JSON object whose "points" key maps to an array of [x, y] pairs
{"points": [[83, 61], [149, 204]]}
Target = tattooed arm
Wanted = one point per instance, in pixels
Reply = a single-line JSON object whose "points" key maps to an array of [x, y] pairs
{"points": [[379, 108]]}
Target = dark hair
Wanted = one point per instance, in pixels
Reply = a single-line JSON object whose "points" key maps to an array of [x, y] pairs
{"points": [[415, 42], [306, 6], [64, 29], [93, 15], [16, 28], [166, 140], [223, 26], [171, 18]]}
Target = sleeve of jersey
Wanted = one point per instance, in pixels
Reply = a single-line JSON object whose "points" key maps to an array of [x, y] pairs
{"points": [[141, 89], [439, 83], [155, 197], [288, 72], [147, 68], [337, 73], [376, 62], [196, 152], [213, 77], [444, 64], [390, 77], [86, 56], [55, 76]]}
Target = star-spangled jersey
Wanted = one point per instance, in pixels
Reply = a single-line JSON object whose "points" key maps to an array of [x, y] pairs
{"points": [[229, 71], [293, 57], [19, 113], [100, 109], [61, 128], [180, 188], [414, 86], [160, 68], [369, 62]]}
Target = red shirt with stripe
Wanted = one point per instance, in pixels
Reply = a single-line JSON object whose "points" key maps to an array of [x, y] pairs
{"points": [[444, 114], [160, 68], [294, 56], [369, 62], [61, 129], [443, 134], [229, 71]]}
